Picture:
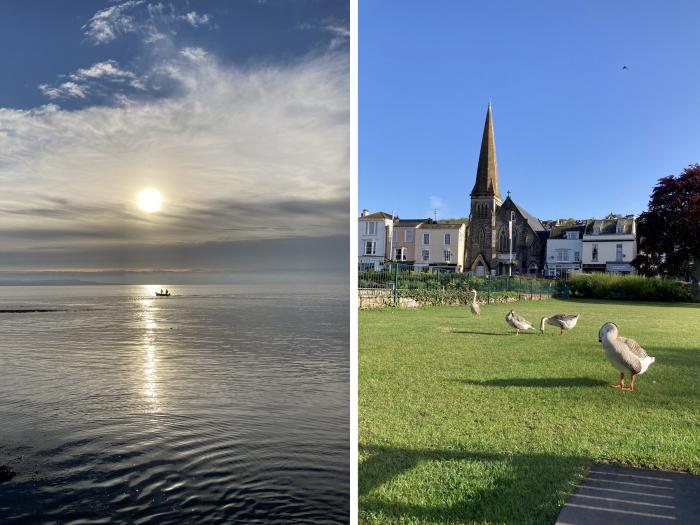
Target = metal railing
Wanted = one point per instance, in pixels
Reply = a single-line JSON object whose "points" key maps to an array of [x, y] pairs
{"points": [[397, 277]]}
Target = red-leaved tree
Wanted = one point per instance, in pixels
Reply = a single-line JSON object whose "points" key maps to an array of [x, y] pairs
{"points": [[669, 231]]}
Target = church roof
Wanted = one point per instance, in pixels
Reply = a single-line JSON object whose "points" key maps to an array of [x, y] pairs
{"points": [[487, 170], [532, 221]]}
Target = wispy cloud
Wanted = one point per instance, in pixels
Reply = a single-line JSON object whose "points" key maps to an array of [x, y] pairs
{"points": [[110, 22], [195, 19], [151, 20], [64, 90]]}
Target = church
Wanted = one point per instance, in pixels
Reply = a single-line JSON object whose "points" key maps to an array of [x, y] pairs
{"points": [[489, 249]]}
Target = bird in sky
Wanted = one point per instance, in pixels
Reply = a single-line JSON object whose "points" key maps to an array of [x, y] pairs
{"points": [[625, 67]]}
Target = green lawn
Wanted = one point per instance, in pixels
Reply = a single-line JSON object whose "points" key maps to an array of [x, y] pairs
{"points": [[461, 421]]}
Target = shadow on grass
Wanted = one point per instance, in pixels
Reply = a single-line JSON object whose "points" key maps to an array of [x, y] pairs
{"points": [[537, 382], [473, 332], [526, 488]]}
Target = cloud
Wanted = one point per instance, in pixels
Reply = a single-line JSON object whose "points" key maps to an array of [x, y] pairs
{"points": [[251, 154], [98, 79], [65, 90], [195, 19], [436, 203], [107, 24], [153, 21]]}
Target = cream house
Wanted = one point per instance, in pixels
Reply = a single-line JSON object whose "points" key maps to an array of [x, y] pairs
{"points": [[610, 245], [441, 245]]}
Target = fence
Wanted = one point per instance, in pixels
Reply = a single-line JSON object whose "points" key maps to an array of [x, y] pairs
{"points": [[444, 286]]}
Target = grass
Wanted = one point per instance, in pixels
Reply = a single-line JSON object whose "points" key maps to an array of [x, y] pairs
{"points": [[461, 421]]}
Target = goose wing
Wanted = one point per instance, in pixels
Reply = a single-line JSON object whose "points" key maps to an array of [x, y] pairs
{"points": [[633, 347], [563, 320], [628, 352], [521, 322]]}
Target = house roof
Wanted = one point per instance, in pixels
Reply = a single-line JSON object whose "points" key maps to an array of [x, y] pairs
{"points": [[410, 223], [559, 232], [444, 226], [609, 225], [377, 215]]}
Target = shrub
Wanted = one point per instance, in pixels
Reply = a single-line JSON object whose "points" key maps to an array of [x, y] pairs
{"points": [[630, 287]]}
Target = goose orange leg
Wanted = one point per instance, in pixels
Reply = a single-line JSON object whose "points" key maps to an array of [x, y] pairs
{"points": [[631, 387], [621, 384]]}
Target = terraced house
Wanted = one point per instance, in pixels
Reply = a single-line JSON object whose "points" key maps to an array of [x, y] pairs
{"points": [[610, 245], [441, 245]]}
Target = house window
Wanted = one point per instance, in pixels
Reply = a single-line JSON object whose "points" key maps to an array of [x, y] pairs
{"points": [[371, 228], [394, 235], [447, 256], [620, 228], [401, 254], [370, 248], [572, 235], [426, 255], [594, 255], [562, 255], [577, 256], [408, 236], [448, 238], [596, 230], [426, 238], [618, 253]]}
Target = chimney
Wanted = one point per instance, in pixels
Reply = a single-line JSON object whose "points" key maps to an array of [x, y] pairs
{"points": [[365, 212]]}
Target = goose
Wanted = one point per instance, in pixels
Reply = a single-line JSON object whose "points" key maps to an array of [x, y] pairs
{"points": [[474, 306], [517, 322], [625, 354], [561, 321]]}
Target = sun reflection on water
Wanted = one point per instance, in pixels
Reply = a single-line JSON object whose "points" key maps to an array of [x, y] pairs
{"points": [[150, 358]]}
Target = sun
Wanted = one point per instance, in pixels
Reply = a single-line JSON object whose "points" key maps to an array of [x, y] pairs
{"points": [[149, 200]]}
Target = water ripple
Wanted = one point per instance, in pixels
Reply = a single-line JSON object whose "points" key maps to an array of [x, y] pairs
{"points": [[205, 407]]}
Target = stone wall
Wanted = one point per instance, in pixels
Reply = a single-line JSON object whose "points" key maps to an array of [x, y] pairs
{"points": [[380, 297]]}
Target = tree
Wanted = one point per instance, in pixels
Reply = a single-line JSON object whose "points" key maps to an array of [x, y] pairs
{"points": [[669, 231]]}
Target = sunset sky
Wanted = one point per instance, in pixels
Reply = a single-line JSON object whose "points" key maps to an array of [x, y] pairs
{"points": [[236, 112]]}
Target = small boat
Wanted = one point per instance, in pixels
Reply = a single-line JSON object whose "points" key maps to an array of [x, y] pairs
{"points": [[166, 294]]}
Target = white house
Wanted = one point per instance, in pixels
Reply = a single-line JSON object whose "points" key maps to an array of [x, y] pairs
{"points": [[374, 236], [610, 245], [564, 248]]}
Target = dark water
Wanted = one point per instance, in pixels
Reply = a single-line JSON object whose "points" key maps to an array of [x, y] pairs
{"points": [[219, 404]]}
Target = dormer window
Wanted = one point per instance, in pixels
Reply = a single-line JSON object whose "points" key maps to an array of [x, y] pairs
{"points": [[620, 229], [572, 236], [596, 230]]}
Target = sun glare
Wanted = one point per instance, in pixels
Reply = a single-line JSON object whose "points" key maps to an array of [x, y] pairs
{"points": [[149, 200]]}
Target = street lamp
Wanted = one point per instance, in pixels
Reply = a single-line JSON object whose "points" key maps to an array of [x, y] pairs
{"points": [[510, 243]]}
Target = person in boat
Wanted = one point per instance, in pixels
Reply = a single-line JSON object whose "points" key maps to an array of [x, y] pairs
{"points": [[161, 290], [167, 292]]}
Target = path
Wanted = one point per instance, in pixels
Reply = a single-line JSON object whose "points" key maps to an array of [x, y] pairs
{"points": [[623, 495]]}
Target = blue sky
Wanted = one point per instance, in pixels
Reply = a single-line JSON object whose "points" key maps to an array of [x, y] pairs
{"points": [[236, 112], [576, 135]]}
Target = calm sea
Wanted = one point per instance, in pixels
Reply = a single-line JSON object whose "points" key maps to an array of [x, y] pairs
{"points": [[217, 404]]}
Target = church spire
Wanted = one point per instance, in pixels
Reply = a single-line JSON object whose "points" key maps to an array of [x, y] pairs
{"points": [[487, 171]]}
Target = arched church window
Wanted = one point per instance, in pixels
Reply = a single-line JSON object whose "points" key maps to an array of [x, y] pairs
{"points": [[503, 241], [482, 239]]}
